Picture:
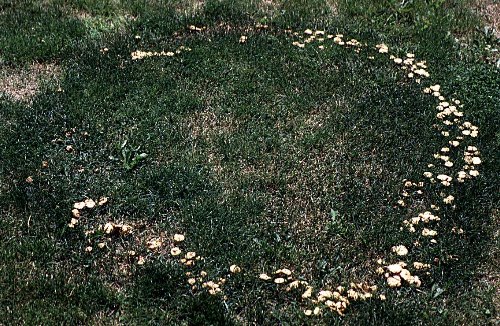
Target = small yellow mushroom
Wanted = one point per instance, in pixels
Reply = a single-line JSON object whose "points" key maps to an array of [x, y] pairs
{"points": [[175, 251], [234, 269]]}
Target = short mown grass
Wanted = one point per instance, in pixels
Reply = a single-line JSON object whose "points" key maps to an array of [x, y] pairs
{"points": [[250, 148]]}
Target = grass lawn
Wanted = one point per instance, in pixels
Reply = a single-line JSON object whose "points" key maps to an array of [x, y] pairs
{"points": [[248, 162]]}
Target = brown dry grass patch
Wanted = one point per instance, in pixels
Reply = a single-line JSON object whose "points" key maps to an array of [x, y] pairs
{"points": [[23, 84], [332, 5], [489, 10], [208, 124], [268, 7], [316, 118], [189, 7]]}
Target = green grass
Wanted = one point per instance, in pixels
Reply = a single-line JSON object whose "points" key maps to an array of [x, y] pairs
{"points": [[249, 149]]}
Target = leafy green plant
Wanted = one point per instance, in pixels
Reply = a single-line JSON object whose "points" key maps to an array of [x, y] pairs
{"points": [[131, 156]]}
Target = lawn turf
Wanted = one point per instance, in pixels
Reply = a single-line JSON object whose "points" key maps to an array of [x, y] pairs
{"points": [[250, 147]]}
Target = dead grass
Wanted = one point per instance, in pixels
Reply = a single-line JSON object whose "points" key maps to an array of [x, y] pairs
{"points": [[332, 5], [268, 7], [103, 318], [490, 11], [316, 118], [98, 24], [207, 124], [23, 84], [271, 8], [189, 7], [313, 175]]}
